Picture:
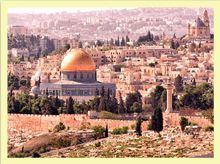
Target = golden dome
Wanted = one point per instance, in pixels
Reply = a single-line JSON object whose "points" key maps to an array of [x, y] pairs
{"points": [[77, 60]]}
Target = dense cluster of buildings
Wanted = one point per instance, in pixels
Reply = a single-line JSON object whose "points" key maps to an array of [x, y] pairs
{"points": [[108, 23], [81, 72]]}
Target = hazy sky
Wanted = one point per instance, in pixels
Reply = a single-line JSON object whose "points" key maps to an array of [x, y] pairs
{"points": [[54, 10]]}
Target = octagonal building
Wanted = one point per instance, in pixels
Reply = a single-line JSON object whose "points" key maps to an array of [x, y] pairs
{"points": [[77, 78]]}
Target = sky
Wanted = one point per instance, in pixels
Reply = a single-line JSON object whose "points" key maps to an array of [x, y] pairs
{"points": [[47, 10]]}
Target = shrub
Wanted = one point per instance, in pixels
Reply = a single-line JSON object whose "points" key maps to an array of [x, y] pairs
{"points": [[62, 143], [20, 155], [59, 127], [44, 149], [209, 115], [35, 155], [183, 123], [122, 130], [125, 129], [85, 125], [149, 127], [97, 144], [209, 128], [98, 130], [192, 124], [133, 126]]}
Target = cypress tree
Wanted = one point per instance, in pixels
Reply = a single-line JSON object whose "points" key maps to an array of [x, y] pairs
{"points": [[127, 39], [114, 104], [106, 131], [121, 107], [47, 92], [178, 83], [108, 101], [96, 92], [69, 108], [118, 41], [102, 93], [157, 120], [102, 104], [138, 130], [123, 41], [56, 102], [194, 82]]}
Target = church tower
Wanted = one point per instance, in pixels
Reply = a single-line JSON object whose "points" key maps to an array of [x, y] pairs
{"points": [[206, 22], [206, 18]]}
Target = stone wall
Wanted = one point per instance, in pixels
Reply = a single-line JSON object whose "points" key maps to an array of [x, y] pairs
{"points": [[174, 119], [42, 123]]}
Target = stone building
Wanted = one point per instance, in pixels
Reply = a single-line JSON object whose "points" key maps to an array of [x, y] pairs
{"points": [[18, 30], [77, 78], [200, 28]]}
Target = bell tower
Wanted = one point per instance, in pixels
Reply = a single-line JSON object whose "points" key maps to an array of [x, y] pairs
{"points": [[206, 22], [206, 18]]}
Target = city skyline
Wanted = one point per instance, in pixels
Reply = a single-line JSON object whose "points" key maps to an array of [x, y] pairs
{"points": [[52, 10], [142, 76], [106, 22]]}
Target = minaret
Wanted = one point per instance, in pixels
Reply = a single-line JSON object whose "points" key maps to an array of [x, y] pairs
{"points": [[169, 87]]}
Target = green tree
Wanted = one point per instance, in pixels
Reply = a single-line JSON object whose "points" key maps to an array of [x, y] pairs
{"points": [[106, 131], [131, 99], [102, 104], [123, 41], [183, 123], [138, 129], [157, 120], [28, 84], [67, 46], [114, 104], [47, 107], [178, 83], [121, 106], [136, 107], [13, 105], [127, 39], [112, 42], [198, 97], [156, 96], [69, 108], [99, 43]]}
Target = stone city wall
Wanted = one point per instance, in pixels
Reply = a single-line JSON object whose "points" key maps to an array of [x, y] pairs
{"points": [[42, 123], [174, 119]]}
